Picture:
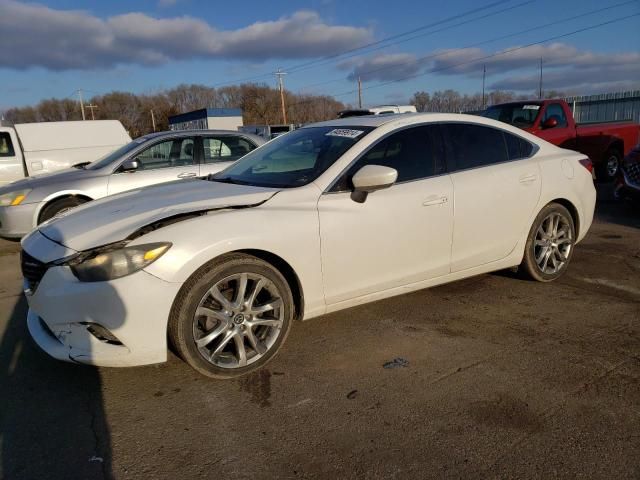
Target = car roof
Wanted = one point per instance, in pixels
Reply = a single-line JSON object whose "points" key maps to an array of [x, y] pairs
{"points": [[401, 119], [186, 133], [391, 121]]}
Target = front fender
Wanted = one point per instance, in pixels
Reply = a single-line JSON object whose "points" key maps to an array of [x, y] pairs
{"points": [[55, 196], [290, 231]]}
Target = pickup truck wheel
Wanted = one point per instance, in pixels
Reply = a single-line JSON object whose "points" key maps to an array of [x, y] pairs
{"points": [[59, 206], [608, 169], [550, 244], [232, 316]]}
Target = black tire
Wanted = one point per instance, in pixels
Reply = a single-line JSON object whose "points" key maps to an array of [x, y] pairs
{"points": [[57, 206], [529, 265], [182, 320], [609, 167]]}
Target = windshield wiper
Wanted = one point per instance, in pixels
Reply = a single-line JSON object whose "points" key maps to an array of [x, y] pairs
{"points": [[81, 165], [213, 178]]}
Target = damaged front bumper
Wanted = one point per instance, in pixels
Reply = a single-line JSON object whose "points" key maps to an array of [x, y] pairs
{"points": [[116, 323]]}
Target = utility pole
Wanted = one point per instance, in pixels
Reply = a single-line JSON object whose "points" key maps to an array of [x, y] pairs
{"points": [[81, 103], [484, 74], [281, 74], [540, 86], [153, 121], [91, 107], [359, 93]]}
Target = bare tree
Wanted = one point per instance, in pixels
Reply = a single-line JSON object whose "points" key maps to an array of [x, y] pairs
{"points": [[259, 102]]}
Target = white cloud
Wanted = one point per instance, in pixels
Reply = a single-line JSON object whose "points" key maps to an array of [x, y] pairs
{"points": [[565, 67], [36, 35], [383, 67]]}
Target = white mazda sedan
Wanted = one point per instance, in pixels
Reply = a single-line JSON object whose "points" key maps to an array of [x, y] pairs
{"points": [[329, 216]]}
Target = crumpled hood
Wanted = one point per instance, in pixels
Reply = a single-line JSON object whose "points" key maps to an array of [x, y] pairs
{"points": [[112, 219]]}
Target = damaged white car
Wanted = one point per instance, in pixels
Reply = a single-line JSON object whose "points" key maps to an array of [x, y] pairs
{"points": [[324, 218]]}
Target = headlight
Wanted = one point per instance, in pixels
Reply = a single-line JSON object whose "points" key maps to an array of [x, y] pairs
{"points": [[14, 198], [115, 262]]}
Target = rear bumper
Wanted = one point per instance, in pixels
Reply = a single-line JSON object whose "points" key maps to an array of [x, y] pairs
{"points": [[16, 222], [627, 190]]}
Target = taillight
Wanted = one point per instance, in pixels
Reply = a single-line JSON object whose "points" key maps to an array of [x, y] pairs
{"points": [[586, 163]]}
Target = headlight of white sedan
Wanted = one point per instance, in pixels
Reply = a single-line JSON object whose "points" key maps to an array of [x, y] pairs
{"points": [[114, 262], [12, 199]]}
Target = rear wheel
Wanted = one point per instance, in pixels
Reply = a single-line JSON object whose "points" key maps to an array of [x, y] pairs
{"points": [[550, 244], [59, 206], [231, 317]]}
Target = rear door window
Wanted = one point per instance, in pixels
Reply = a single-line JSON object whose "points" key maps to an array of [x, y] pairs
{"points": [[517, 147], [473, 146], [225, 148], [6, 145]]}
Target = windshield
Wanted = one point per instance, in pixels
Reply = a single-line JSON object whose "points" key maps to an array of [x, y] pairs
{"points": [[115, 155], [294, 159], [522, 115]]}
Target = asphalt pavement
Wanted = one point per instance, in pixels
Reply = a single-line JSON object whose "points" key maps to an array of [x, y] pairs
{"points": [[490, 377]]}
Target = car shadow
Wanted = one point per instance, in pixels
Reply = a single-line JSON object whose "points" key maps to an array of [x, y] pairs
{"points": [[620, 212], [52, 418]]}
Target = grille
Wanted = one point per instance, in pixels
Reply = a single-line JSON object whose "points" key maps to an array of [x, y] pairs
{"points": [[32, 269], [632, 171]]}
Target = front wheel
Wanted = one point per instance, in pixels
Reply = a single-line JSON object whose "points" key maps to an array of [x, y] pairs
{"points": [[232, 316], [59, 206], [550, 244]]}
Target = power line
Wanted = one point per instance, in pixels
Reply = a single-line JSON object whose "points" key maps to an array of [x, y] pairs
{"points": [[477, 44], [422, 35], [91, 107], [504, 52], [403, 34], [479, 59], [330, 58]]}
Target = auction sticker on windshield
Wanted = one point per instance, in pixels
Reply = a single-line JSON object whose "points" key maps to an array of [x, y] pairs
{"points": [[344, 132], [531, 107]]}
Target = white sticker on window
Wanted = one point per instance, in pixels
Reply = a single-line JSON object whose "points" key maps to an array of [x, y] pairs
{"points": [[531, 107], [344, 132]]}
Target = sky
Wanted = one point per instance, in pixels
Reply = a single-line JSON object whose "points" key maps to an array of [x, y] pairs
{"points": [[52, 48]]}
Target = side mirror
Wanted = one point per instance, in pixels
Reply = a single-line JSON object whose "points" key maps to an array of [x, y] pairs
{"points": [[130, 165], [371, 178], [550, 122]]}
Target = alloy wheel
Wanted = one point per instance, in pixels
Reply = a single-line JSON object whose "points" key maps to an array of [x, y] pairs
{"points": [[238, 320], [553, 243], [612, 166]]}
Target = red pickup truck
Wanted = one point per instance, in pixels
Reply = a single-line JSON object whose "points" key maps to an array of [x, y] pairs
{"points": [[605, 143]]}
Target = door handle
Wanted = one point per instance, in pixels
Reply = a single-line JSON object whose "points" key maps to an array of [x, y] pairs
{"points": [[528, 178], [435, 200], [187, 175]]}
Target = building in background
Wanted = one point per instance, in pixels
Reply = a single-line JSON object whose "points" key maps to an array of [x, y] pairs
{"points": [[207, 119], [606, 107]]}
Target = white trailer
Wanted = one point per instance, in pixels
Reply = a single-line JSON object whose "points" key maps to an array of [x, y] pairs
{"points": [[29, 149]]}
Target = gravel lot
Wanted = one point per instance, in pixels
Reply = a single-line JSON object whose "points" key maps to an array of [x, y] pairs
{"points": [[495, 377]]}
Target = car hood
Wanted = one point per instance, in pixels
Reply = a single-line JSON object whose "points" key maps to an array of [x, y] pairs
{"points": [[115, 218], [46, 179]]}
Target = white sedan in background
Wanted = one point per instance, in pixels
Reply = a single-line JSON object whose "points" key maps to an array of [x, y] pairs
{"points": [[329, 216]]}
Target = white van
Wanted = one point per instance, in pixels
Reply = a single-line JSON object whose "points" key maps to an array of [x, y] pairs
{"points": [[379, 110], [29, 149]]}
